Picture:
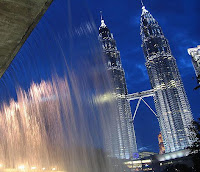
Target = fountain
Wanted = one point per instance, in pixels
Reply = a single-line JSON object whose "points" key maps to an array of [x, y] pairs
{"points": [[64, 120], [53, 126]]}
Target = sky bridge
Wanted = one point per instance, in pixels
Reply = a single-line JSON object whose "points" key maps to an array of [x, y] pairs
{"points": [[143, 94], [140, 97]]}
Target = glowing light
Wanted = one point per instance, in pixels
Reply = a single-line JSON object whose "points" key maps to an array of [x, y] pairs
{"points": [[43, 168], [107, 97], [137, 162], [1, 165], [21, 167], [167, 157], [174, 156], [33, 168], [146, 161], [180, 154], [128, 162], [53, 169]]}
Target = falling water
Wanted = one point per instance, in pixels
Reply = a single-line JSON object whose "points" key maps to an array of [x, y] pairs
{"points": [[64, 120], [55, 125]]}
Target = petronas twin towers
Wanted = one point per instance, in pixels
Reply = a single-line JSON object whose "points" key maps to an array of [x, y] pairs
{"points": [[172, 106], [123, 141]]}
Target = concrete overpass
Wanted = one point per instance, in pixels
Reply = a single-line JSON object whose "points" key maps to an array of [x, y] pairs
{"points": [[18, 18]]}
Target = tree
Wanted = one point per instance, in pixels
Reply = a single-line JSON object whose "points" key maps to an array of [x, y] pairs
{"points": [[195, 148], [177, 168]]}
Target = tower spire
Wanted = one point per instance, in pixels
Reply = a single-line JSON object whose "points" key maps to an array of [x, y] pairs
{"points": [[142, 3], [143, 8], [101, 15], [102, 20]]}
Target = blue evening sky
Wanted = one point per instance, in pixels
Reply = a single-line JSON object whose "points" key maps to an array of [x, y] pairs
{"points": [[39, 57]]}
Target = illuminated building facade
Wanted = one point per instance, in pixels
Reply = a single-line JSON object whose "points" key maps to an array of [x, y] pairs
{"points": [[123, 139], [146, 154], [161, 144], [172, 106], [195, 54]]}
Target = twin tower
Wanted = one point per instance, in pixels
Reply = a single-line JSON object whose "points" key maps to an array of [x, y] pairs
{"points": [[172, 106]]}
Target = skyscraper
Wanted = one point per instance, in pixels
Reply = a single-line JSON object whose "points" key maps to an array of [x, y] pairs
{"points": [[172, 106], [123, 139], [195, 54]]}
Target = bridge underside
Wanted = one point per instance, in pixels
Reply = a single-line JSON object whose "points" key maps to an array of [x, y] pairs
{"points": [[17, 20], [140, 96], [143, 94]]}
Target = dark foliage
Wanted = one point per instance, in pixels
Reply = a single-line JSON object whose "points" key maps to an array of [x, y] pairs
{"points": [[195, 148], [177, 168]]}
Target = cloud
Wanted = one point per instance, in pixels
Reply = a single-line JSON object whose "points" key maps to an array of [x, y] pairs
{"points": [[179, 43], [135, 21], [144, 148], [130, 52], [139, 74], [185, 63], [184, 59], [143, 70]]}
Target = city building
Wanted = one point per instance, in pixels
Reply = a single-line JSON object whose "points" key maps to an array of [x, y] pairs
{"points": [[172, 106], [161, 144], [195, 54], [146, 154], [123, 141], [158, 163]]}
